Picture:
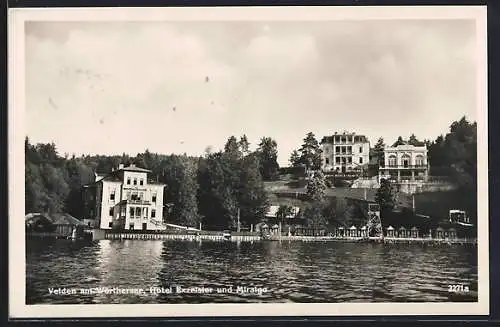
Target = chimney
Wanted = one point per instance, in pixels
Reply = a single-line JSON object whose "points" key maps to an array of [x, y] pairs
{"points": [[120, 166]]}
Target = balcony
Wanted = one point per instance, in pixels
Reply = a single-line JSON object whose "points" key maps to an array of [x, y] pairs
{"points": [[404, 167], [136, 201]]}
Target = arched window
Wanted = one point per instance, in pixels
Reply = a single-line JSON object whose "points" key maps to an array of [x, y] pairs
{"points": [[419, 160], [392, 161], [405, 160]]}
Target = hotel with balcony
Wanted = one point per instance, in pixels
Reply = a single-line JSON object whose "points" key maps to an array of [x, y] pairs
{"points": [[345, 153], [124, 199], [405, 163]]}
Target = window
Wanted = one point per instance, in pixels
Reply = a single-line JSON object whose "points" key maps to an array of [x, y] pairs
{"points": [[135, 181], [128, 195], [360, 149], [141, 182], [112, 196], [138, 212], [337, 149], [360, 160], [132, 211], [392, 161], [337, 159], [349, 159], [128, 180], [327, 161], [153, 197], [145, 211], [349, 149], [153, 213], [111, 212], [419, 160], [110, 225], [123, 211], [405, 160], [131, 226]]}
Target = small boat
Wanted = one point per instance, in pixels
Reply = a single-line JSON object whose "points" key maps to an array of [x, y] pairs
{"points": [[227, 235]]}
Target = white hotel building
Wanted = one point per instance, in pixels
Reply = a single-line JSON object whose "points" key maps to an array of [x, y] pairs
{"points": [[344, 153], [405, 162], [125, 199]]}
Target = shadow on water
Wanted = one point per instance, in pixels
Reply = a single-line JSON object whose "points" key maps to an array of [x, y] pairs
{"points": [[262, 271]]}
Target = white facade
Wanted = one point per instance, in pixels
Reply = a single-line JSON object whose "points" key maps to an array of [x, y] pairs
{"points": [[405, 162], [125, 199], [346, 152]]}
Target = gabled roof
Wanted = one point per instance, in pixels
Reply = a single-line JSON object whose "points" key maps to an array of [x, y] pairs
{"points": [[65, 219], [55, 218], [135, 168], [37, 217]]}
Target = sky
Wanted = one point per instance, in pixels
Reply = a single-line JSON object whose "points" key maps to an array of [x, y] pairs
{"points": [[180, 87]]}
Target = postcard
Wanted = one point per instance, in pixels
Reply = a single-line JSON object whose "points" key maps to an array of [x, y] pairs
{"points": [[248, 161]]}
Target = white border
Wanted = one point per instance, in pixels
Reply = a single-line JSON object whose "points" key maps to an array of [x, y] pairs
{"points": [[17, 17]]}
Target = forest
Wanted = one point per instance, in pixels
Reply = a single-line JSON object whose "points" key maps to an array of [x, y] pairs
{"points": [[212, 188]]}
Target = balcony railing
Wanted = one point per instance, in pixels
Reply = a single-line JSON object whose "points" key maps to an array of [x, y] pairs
{"points": [[404, 166], [137, 201]]}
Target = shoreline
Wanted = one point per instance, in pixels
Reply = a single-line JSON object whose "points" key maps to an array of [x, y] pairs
{"points": [[97, 235]]}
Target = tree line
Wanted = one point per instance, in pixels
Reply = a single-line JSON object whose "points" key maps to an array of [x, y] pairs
{"points": [[212, 189], [219, 186]]}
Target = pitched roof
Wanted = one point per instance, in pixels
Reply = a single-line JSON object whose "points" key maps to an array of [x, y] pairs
{"points": [[36, 216], [65, 219], [135, 168]]}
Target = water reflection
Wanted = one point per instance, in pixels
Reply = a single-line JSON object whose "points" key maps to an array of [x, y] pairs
{"points": [[289, 271]]}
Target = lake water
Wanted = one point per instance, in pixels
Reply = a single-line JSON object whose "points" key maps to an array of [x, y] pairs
{"points": [[263, 271]]}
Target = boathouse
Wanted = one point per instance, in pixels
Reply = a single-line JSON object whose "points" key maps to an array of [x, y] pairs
{"points": [[414, 232], [451, 233], [275, 229], [263, 228], [353, 231], [440, 232], [363, 232], [340, 232], [58, 224], [403, 232], [390, 231], [66, 223], [38, 223]]}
